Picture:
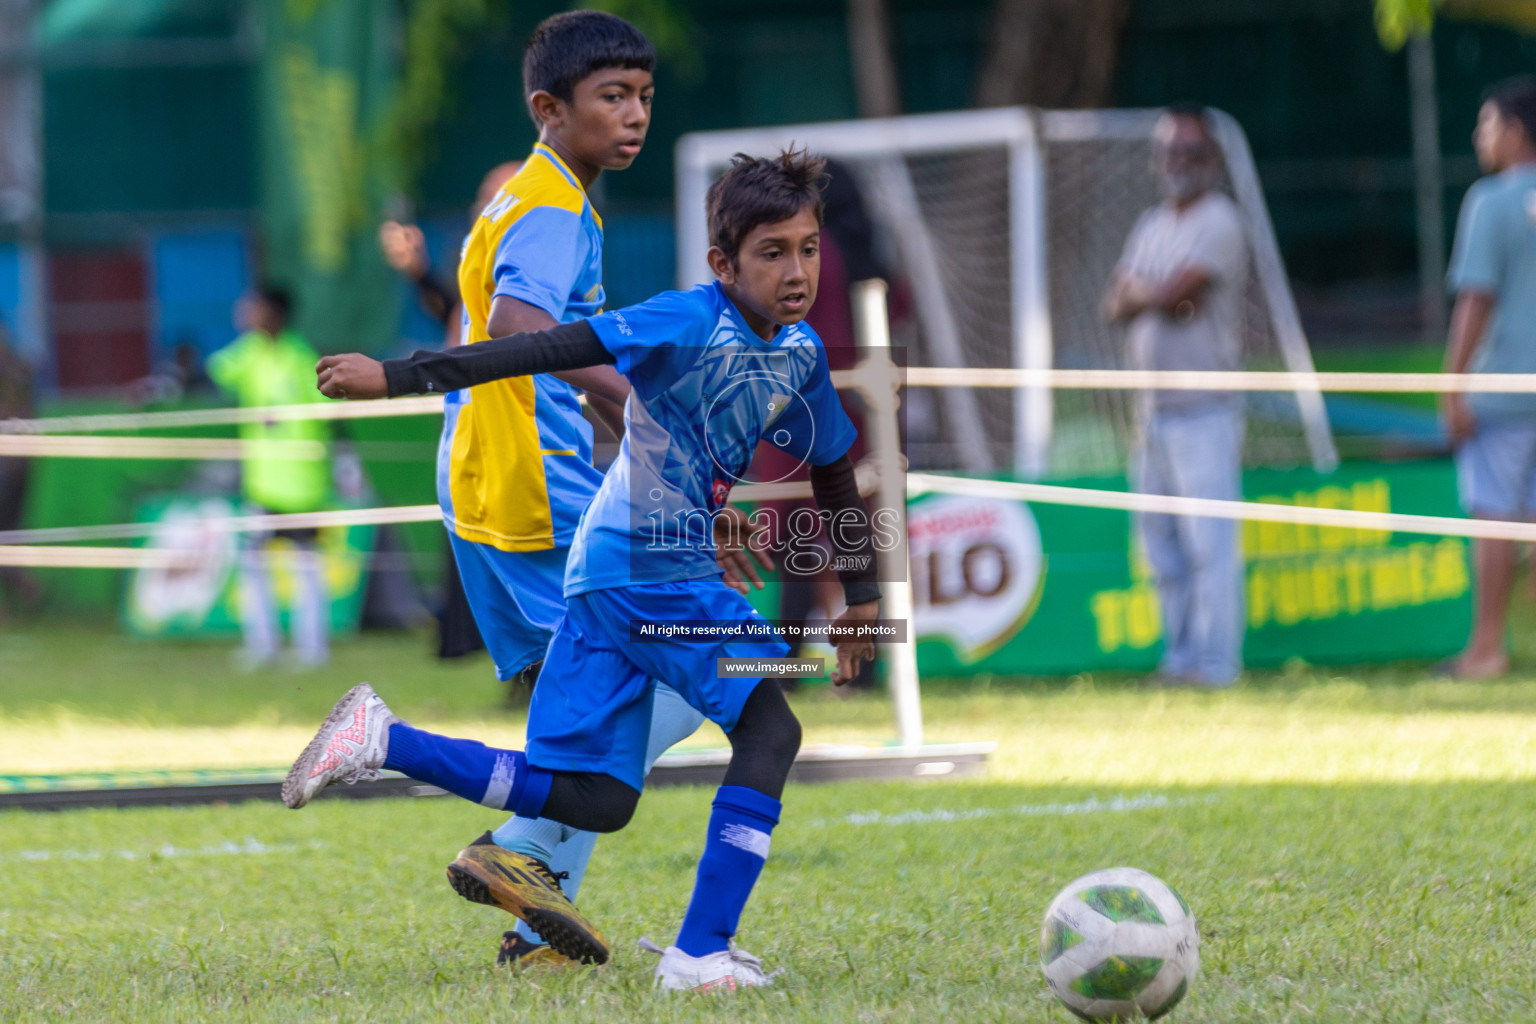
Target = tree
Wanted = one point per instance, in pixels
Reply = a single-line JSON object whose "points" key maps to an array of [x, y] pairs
{"points": [[874, 64], [1400, 22], [438, 34], [1052, 53]]}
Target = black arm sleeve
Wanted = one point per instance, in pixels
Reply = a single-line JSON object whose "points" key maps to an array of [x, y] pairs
{"points": [[566, 347], [849, 529]]}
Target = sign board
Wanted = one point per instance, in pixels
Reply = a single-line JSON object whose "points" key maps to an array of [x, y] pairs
{"points": [[1007, 587], [202, 598]]}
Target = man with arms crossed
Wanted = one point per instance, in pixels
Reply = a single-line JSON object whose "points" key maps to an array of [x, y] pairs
{"points": [[1178, 288]]}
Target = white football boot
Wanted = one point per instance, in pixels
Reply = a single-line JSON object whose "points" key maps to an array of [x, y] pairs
{"points": [[725, 971], [350, 747]]}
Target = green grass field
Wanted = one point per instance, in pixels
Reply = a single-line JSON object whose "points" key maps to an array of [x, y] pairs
{"points": [[1355, 844]]}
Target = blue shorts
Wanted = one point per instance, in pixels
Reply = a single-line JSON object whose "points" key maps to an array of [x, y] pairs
{"points": [[591, 711], [517, 598], [1496, 469]]}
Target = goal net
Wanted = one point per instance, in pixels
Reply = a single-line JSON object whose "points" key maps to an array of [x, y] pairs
{"points": [[1003, 227]]}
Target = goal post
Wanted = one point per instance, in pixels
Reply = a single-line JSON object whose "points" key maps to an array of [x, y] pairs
{"points": [[1004, 225], [879, 148]]}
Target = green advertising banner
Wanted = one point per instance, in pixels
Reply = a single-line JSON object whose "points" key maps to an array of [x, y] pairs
{"points": [[202, 597], [326, 83], [1003, 586]]}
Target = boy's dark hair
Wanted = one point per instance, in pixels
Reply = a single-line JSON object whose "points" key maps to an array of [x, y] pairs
{"points": [[762, 190], [1515, 99], [565, 48], [278, 298]]}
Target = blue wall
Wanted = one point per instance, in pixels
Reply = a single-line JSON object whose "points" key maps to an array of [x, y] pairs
{"points": [[198, 276], [15, 271]]}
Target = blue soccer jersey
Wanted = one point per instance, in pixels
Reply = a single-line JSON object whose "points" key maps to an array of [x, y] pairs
{"points": [[706, 390]]}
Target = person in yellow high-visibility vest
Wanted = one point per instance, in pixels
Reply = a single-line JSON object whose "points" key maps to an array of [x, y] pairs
{"points": [[270, 364]]}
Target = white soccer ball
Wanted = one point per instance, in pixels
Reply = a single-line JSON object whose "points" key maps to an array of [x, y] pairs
{"points": [[1119, 945]]}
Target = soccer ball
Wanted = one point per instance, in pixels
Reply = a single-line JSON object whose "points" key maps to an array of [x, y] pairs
{"points": [[1119, 945]]}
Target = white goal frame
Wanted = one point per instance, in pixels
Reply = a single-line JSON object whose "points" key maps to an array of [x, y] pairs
{"points": [[1024, 131]]}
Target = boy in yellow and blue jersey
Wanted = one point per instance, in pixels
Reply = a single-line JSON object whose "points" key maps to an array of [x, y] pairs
{"points": [[514, 470]]}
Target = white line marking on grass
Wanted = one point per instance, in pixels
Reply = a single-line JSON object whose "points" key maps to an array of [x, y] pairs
{"points": [[1092, 805], [224, 849]]}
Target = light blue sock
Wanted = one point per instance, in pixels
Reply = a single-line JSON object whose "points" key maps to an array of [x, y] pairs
{"points": [[672, 721], [569, 850], [536, 837]]}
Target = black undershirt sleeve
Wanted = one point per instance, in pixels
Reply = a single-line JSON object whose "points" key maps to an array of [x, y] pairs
{"points": [[570, 346], [434, 298], [848, 528]]}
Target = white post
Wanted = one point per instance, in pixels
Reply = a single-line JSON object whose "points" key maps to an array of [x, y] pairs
{"points": [[878, 377], [692, 174], [1277, 289], [895, 193], [1030, 301]]}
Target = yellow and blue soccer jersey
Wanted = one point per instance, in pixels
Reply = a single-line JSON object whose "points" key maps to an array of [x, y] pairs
{"points": [[514, 467]]}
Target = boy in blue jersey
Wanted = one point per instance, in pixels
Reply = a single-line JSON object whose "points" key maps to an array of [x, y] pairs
{"points": [[515, 463], [713, 371]]}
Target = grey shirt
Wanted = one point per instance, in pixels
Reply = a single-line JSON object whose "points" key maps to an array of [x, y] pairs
{"points": [[1208, 235], [1496, 252]]}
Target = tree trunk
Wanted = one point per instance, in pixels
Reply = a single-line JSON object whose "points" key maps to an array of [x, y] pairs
{"points": [[874, 63], [1429, 188], [1052, 53]]}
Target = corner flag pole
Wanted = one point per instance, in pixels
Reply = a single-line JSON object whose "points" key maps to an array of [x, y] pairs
{"points": [[878, 378]]}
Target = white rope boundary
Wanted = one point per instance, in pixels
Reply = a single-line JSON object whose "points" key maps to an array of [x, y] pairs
{"points": [[15, 544], [914, 376], [1213, 508], [23, 438], [197, 448], [320, 410], [1223, 380], [170, 559], [26, 547], [27, 438], [231, 524]]}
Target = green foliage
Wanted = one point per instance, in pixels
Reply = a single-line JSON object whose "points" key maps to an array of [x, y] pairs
{"points": [[1396, 20], [668, 27], [436, 35], [439, 32]]}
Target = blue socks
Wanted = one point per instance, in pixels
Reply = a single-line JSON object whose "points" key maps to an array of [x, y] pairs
{"points": [[672, 721], [501, 779], [734, 852]]}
